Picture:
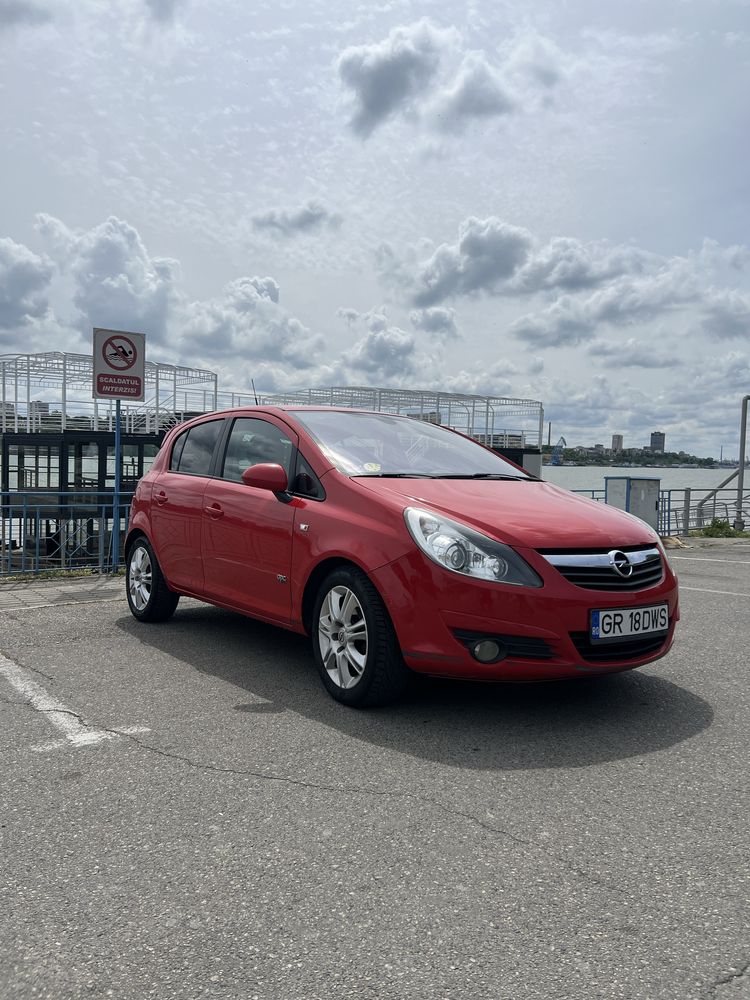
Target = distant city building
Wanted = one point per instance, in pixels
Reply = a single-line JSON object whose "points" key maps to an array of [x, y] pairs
{"points": [[657, 441], [617, 442], [432, 417], [37, 408]]}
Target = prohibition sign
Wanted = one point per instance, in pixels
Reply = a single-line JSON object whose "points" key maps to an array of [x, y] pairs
{"points": [[119, 353]]}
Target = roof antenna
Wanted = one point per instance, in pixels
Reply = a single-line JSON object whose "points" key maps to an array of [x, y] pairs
{"points": [[252, 383]]}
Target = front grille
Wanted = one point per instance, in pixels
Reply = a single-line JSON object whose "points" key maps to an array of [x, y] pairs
{"points": [[612, 652], [515, 646], [596, 570]]}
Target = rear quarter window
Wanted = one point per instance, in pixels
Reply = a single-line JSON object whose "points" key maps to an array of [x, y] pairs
{"points": [[193, 451]]}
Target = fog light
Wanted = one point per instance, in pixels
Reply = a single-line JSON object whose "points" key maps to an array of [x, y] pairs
{"points": [[487, 651]]}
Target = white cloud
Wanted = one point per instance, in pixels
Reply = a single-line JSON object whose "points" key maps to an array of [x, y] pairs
{"points": [[633, 353], [395, 271], [24, 285], [537, 60], [570, 265], [267, 288], [496, 378], [670, 286], [477, 93], [385, 77], [383, 354], [565, 322], [572, 290], [16, 13], [413, 72], [247, 324], [730, 371], [349, 315], [163, 11], [571, 320], [727, 314], [438, 321], [493, 257], [488, 253], [309, 218], [117, 284]]}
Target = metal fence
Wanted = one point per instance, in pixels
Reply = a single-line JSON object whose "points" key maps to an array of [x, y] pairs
{"points": [[59, 531], [69, 531], [686, 510]]}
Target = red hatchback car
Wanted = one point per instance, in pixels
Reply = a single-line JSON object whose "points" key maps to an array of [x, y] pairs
{"points": [[397, 546]]}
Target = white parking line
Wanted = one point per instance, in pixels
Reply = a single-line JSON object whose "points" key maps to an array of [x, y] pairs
{"points": [[57, 604], [703, 590], [734, 562], [76, 732]]}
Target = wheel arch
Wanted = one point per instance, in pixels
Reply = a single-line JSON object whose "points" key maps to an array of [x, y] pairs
{"points": [[132, 537], [316, 577]]}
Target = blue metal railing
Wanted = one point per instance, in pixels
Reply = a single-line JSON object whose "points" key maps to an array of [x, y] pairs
{"points": [[41, 531], [685, 510]]}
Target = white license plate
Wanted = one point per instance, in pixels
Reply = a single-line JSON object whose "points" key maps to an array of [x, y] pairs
{"points": [[624, 623]]}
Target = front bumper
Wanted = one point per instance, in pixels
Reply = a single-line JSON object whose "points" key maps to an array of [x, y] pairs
{"points": [[544, 630]]}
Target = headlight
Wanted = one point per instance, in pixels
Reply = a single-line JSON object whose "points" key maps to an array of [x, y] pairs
{"points": [[463, 550]]}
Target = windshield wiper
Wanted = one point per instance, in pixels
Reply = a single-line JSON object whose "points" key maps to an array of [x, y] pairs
{"points": [[480, 475], [440, 475]]}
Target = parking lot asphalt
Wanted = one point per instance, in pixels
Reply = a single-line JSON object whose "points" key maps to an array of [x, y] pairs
{"points": [[184, 812]]}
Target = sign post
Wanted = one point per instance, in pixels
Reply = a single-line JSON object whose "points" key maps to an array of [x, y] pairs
{"points": [[119, 373]]}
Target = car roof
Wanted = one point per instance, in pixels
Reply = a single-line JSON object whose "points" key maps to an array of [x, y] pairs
{"points": [[294, 408]]}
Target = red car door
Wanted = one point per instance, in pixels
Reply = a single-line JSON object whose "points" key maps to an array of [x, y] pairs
{"points": [[247, 532], [177, 506]]}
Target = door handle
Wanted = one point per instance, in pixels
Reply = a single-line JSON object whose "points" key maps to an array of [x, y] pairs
{"points": [[214, 511], [161, 498]]}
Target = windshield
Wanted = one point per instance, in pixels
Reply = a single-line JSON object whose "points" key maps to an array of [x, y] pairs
{"points": [[379, 444]]}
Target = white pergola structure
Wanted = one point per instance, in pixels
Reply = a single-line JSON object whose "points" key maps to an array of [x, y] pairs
{"points": [[497, 421], [53, 392]]}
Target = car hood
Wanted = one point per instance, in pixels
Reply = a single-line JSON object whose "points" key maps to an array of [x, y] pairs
{"points": [[521, 512]]}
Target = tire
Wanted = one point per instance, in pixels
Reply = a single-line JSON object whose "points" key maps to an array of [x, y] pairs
{"points": [[149, 597], [354, 643]]}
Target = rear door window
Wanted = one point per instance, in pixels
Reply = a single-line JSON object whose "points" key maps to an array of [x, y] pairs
{"points": [[193, 451]]}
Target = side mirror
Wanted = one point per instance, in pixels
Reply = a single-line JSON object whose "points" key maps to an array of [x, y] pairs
{"points": [[266, 477]]}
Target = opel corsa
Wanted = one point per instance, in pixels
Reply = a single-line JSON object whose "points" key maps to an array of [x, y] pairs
{"points": [[397, 546]]}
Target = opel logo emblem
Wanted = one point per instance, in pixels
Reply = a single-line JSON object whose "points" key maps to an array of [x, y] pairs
{"points": [[621, 563]]}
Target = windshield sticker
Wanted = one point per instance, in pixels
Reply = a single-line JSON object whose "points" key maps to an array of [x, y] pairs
{"points": [[372, 467]]}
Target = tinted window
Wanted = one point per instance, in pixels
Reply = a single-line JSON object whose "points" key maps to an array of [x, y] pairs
{"points": [[195, 454], [379, 444], [177, 451], [255, 442]]}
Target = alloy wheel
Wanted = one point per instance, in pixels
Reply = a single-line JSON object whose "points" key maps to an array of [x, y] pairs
{"points": [[140, 578], [342, 635]]}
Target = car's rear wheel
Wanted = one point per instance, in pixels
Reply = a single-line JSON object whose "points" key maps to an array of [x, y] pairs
{"points": [[354, 642], [149, 597]]}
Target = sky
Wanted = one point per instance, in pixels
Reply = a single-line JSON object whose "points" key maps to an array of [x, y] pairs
{"points": [[547, 199]]}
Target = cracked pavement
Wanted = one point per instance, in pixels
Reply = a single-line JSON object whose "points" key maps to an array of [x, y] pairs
{"points": [[516, 842]]}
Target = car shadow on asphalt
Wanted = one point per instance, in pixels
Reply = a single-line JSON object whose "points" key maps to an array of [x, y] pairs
{"points": [[558, 724]]}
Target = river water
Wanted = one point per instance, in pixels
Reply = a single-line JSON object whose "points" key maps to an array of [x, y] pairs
{"points": [[591, 477]]}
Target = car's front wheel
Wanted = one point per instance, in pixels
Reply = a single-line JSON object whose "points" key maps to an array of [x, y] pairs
{"points": [[354, 642], [149, 597]]}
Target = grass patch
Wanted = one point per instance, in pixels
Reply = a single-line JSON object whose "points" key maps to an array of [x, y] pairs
{"points": [[55, 574], [720, 528]]}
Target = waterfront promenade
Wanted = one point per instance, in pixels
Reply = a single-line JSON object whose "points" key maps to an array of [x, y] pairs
{"points": [[186, 813]]}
